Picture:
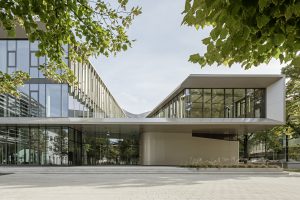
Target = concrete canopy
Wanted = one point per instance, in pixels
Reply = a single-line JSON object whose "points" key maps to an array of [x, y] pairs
{"points": [[135, 125]]}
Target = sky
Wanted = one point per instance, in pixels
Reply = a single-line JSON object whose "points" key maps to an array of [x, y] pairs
{"points": [[141, 77]]}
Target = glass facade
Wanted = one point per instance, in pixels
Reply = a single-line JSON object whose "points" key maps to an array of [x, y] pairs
{"points": [[111, 148], [215, 103], [40, 146], [40, 97]]}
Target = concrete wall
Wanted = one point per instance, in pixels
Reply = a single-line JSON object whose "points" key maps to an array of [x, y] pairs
{"points": [[169, 148], [275, 98]]}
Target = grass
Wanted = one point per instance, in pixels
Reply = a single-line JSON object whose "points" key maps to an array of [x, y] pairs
{"points": [[292, 170], [199, 163]]}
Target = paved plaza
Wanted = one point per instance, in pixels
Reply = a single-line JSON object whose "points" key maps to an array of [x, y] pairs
{"points": [[151, 183]]}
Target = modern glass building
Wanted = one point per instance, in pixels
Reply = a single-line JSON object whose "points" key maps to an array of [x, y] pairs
{"points": [[60, 124]]}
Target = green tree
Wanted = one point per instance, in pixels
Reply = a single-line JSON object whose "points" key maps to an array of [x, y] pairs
{"points": [[90, 28], [252, 33], [272, 140], [246, 32]]}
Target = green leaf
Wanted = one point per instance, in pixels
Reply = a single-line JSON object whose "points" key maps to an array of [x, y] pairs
{"points": [[195, 58], [262, 20], [278, 39], [206, 41], [263, 4]]}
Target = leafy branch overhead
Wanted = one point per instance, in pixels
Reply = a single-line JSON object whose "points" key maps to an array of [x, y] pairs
{"points": [[90, 28], [246, 32]]}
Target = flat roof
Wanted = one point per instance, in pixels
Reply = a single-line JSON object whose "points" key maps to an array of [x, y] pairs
{"points": [[221, 81]]}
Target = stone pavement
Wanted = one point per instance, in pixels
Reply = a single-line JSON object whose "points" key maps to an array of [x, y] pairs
{"points": [[91, 183]]}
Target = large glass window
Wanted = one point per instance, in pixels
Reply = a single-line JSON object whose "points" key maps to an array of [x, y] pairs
{"points": [[229, 106], [3, 56], [23, 146], [207, 103], [239, 102], [65, 99], [259, 103], [250, 103], [3, 145], [42, 100], [215, 103], [11, 146], [196, 103], [23, 55], [53, 146], [12, 59], [53, 100], [35, 140]]}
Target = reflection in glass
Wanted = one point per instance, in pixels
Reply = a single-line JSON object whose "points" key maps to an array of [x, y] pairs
{"points": [[33, 60], [250, 103], [259, 103], [239, 102], [23, 146], [12, 59], [217, 103], [23, 55], [111, 148], [229, 108], [11, 146], [53, 146], [53, 100], [207, 103], [34, 146], [3, 145], [3, 56], [65, 99], [196, 103]]}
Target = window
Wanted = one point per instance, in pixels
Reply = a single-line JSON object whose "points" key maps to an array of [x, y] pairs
{"points": [[228, 103], [207, 103], [23, 55], [217, 103], [250, 103], [53, 100], [34, 61], [11, 59], [239, 102], [196, 102], [3, 56]]}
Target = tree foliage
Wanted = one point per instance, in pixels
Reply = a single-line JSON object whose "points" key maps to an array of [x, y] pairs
{"points": [[251, 33], [90, 28], [246, 32]]}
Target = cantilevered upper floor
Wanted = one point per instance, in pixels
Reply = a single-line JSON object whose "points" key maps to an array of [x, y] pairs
{"points": [[225, 96]]}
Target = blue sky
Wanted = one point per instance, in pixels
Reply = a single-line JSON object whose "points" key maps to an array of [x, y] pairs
{"points": [[157, 63]]}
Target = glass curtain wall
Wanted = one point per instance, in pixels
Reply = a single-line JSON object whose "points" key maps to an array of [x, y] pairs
{"points": [[111, 148], [215, 103], [40, 146], [90, 98]]}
